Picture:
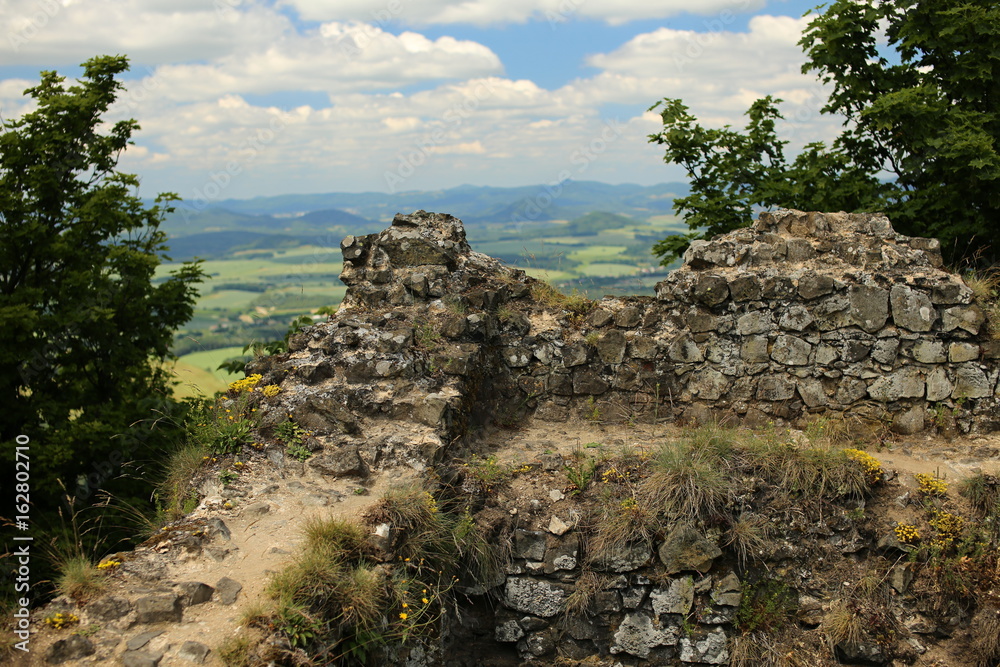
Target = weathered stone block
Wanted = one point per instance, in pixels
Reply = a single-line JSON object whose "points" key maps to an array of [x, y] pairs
{"points": [[712, 649], [959, 352], [971, 382], [622, 557], [812, 393], [869, 307], [745, 288], [685, 549], [791, 351], [850, 390], [967, 318], [754, 322], [628, 317], [902, 383], [775, 389], [588, 382], [709, 384], [884, 350], [341, 462], [778, 287], [535, 596], [929, 352], [711, 290], [754, 350], [676, 599], [529, 544], [814, 285], [912, 309], [796, 318], [159, 609], [642, 347], [638, 635], [910, 421], [685, 350], [939, 387], [611, 346]]}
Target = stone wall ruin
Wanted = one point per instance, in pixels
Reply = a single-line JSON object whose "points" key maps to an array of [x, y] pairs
{"points": [[799, 314]]}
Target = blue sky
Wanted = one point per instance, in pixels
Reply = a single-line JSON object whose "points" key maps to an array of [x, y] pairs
{"points": [[238, 98]]}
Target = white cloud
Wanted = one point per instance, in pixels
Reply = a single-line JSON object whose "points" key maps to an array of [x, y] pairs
{"points": [[51, 33], [490, 12], [204, 135]]}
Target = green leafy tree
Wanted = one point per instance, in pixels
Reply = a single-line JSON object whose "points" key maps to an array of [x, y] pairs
{"points": [[84, 327], [921, 137]]}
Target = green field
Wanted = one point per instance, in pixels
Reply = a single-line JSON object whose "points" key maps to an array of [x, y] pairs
{"points": [[209, 361], [253, 295]]}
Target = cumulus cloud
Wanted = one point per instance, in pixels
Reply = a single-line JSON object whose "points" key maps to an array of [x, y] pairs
{"points": [[401, 111], [56, 32], [490, 12]]}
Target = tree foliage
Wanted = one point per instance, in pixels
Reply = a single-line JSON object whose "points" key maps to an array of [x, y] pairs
{"points": [[921, 137], [84, 324]]}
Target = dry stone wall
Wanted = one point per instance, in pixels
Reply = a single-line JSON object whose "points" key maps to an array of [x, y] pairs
{"points": [[801, 313]]}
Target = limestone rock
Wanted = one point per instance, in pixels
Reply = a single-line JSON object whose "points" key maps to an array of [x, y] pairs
{"points": [[108, 608], [159, 609], [622, 557], [341, 462], [685, 549], [73, 647], [228, 590], [677, 599], [912, 309], [711, 649], [534, 596], [195, 652], [638, 635]]}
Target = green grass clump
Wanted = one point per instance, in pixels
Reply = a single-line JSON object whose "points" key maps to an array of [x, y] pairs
{"points": [[79, 579], [342, 600]]}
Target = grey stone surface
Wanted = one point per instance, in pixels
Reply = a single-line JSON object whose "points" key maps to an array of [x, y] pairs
{"points": [[676, 599], [912, 309], [74, 647], [622, 557], [529, 544], [638, 635], [967, 318], [903, 383], [686, 549], [711, 649], [159, 609], [869, 307], [929, 352], [194, 592], [195, 652], [227, 590], [791, 351], [534, 596], [141, 639], [108, 608], [141, 659], [970, 382], [611, 347], [341, 462]]}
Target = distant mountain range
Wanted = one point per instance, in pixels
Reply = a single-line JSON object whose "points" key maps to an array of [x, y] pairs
{"points": [[323, 219]]}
